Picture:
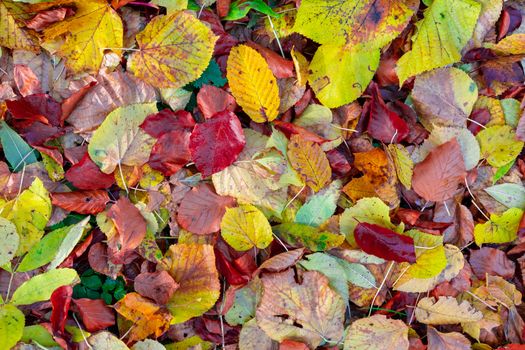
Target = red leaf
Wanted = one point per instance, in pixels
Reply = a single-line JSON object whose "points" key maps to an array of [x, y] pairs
{"points": [[385, 243], [223, 7], [38, 107], [60, 302], [383, 124], [47, 17], [280, 66], [212, 100], [95, 314], [98, 258], [479, 116], [216, 144], [290, 129], [131, 229], [86, 175], [171, 152], [201, 210], [491, 261], [166, 121], [437, 177], [77, 252], [292, 345], [83, 202], [158, 286]]}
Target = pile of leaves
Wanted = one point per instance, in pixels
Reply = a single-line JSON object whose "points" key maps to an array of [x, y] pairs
{"points": [[315, 174]]}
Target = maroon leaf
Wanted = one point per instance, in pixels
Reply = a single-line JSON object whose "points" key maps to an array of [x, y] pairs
{"points": [[166, 121], [385, 243], [83, 202], [171, 152], [158, 286], [131, 229], [383, 124], [491, 261], [60, 302], [437, 177], [216, 144], [95, 314], [201, 210], [38, 107], [86, 175], [212, 100]]}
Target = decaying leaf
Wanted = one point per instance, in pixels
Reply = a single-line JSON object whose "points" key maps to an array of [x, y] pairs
{"points": [[445, 310], [378, 332]]}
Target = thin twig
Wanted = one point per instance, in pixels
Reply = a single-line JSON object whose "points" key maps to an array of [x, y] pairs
{"points": [[380, 287], [82, 332], [474, 200], [275, 35]]}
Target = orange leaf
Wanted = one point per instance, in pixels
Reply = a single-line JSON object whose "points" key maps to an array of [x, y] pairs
{"points": [[148, 318], [83, 202]]}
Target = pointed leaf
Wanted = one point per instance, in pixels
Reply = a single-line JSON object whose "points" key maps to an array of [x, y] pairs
{"points": [[12, 34], [68, 244], [500, 229], [163, 59], [253, 84], [17, 152], [319, 207], [83, 202], [12, 323], [40, 287], [309, 160], [499, 145], [312, 238], [509, 194], [446, 341]]}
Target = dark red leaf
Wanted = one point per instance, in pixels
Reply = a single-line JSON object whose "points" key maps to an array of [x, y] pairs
{"points": [[166, 121], [38, 107], [131, 229], [60, 302], [385, 243], [201, 210], [491, 261], [158, 286], [384, 124], [216, 144], [171, 152], [477, 117], [212, 100], [338, 162], [86, 175], [83, 202], [509, 21], [95, 314]]}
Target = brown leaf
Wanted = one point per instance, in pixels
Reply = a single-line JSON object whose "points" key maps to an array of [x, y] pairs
{"points": [[446, 341], [98, 258], [309, 312], [201, 210], [437, 177], [514, 327], [282, 261], [45, 18], [491, 261], [83, 202], [26, 81], [158, 286], [131, 228]]}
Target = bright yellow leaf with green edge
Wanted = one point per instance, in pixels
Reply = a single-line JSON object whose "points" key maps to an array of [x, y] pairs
{"points": [[309, 160], [440, 36], [499, 145], [172, 5], [341, 22], [500, 229], [94, 28], [120, 141], [430, 255], [253, 84], [30, 212], [244, 227], [40, 287], [340, 74], [12, 323], [12, 35], [403, 163], [370, 210], [192, 266], [174, 50]]}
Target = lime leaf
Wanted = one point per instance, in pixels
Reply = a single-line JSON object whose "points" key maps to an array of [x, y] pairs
{"points": [[12, 323], [500, 229]]}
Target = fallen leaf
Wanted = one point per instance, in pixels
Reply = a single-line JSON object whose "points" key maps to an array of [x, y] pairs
{"points": [[499, 145], [86, 175], [212, 100], [12, 323], [508, 194], [246, 227], [10, 241], [95, 314], [312, 238], [492, 262], [12, 33], [500, 228], [83, 202], [445, 310], [446, 341], [158, 286], [378, 332]]}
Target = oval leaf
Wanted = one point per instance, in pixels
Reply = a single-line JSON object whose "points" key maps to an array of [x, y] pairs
{"points": [[246, 227]]}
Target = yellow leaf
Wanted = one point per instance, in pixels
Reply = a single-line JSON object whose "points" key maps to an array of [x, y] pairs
{"points": [[192, 266], [10, 241], [499, 145], [378, 333], [341, 22], [309, 160], [445, 29], [12, 323], [94, 28], [174, 50], [253, 84], [120, 140], [12, 35], [511, 45], [30, 212], [147, 317], [403, 163], [301, 67], [245, 227], [172, 5], [446, 310], [500, 229], [430, 255], [340, 74]]}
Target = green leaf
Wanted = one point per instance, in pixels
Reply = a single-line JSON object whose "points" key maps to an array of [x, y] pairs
{"points": [[38, 334], [10, 240], [512, 110], [40, 287], [17, 152], [299, 235], [502, 171], [500, 229], [211, 76], [12, 323], [68, 244], [440, 36], [245, 303], [240, 8], [44, 251], [319, 207], [509, 194], [120, 140]]}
